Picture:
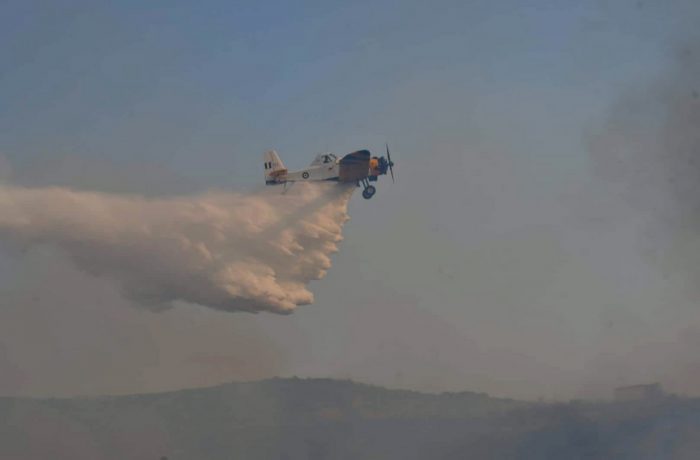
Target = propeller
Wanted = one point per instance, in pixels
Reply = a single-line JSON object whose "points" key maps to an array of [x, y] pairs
{"points": [[391, 163]]}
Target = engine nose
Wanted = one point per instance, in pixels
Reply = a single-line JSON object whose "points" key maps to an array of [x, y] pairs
{"points": [[383, 165]]}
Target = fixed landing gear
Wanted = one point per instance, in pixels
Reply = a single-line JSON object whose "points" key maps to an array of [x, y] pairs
{"points": [[369, 190]]}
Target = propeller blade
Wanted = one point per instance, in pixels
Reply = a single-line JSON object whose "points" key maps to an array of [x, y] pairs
{"points": [[391, 163]]}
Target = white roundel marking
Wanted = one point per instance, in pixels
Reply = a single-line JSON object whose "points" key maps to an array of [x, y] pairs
{"points": [[305, 174]]}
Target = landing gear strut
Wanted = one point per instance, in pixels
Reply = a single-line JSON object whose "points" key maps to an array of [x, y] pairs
{"points": [[369, 190]]}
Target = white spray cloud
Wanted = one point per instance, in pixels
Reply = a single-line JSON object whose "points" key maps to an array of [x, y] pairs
{"points": [[227, 251]]}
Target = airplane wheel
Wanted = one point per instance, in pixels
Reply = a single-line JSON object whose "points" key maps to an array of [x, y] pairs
{"points": [[369, 192]]}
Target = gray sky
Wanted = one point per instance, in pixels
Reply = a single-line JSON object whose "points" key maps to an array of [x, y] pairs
{"points": [[511, 257]]}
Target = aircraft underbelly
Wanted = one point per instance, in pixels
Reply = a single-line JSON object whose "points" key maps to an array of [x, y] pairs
{"points": [[352, 173]]}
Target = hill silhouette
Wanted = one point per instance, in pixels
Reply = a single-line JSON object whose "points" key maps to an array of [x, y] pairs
{"points": [[330, 419]]}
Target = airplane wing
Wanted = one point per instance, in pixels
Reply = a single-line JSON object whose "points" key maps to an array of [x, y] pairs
{"points": [[354, 166]]}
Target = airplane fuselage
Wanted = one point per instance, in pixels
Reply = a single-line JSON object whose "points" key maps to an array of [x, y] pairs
{"points": [[358, 167], [322, 172]]}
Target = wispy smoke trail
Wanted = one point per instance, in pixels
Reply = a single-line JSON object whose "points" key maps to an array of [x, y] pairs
{"points": [[226, 251], [649, 149]]}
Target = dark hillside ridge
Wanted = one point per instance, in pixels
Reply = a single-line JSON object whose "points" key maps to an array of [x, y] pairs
{"points": [[330, 419]]}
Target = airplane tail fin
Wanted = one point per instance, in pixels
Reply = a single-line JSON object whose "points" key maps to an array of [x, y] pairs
{"points": [[274, 168]]}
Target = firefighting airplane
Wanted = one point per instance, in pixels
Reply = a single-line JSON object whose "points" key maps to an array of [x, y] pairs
{"points": [[358, 167]]}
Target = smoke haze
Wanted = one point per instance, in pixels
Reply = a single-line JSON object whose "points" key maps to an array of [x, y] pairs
{"points": [[645, 154], [227, 251], [648, 151]]}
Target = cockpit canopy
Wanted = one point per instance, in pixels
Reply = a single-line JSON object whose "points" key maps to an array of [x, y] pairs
{"points": [[324, 158]]}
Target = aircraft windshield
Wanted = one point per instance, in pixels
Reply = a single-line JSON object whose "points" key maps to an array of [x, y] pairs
{"points": [[324, 158]]}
